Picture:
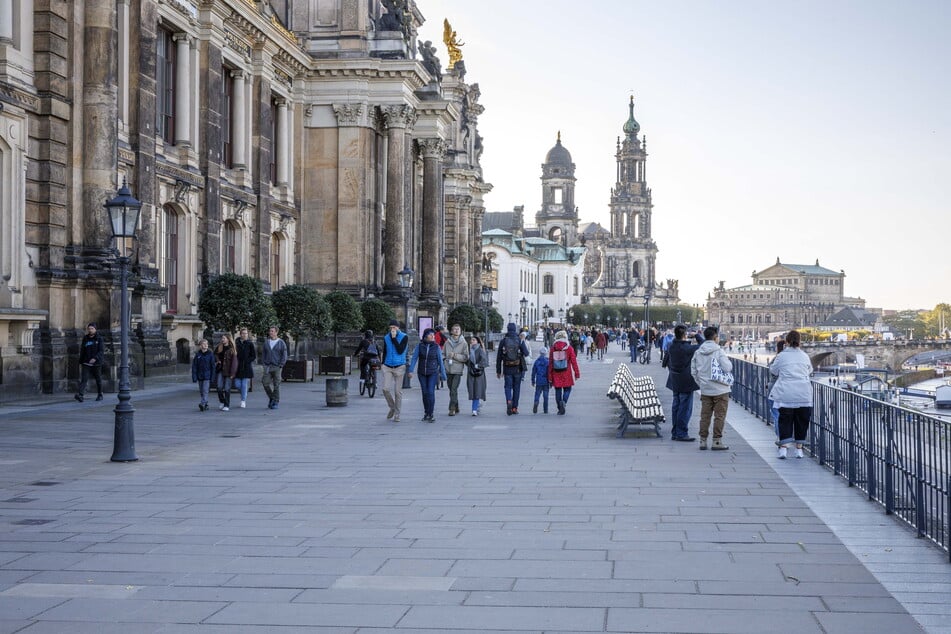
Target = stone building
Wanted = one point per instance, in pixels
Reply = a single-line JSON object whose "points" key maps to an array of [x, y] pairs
{"points": [[296, 141], [621, 262], [781, 297]]}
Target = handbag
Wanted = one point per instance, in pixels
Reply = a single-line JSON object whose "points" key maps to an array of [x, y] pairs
{"points": [[717, 375], [475, 370]]}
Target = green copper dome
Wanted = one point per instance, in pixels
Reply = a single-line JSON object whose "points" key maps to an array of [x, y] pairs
{"points": [[631, 126]]}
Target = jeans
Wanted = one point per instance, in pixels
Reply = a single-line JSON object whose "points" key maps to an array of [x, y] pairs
{"points": [[680, 411], [224, 390], [393, 387], [204, 385], [561, 395], [513, 387], [716, 407], [85, 371], [427, 385], [453, 381], [475, 405], [542, 391], [774, 416], [243, 385], [271, 380]]}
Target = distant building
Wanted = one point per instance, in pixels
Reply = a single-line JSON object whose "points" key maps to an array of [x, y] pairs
{"points": [[782, 297], [850, 318]]}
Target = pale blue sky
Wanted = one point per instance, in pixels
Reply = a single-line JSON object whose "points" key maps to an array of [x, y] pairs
{"points": [[814, 129]]}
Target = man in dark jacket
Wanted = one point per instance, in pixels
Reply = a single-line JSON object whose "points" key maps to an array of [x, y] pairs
{"points": [[681, 383], [510, 362], [90, 362], [246, 357]]}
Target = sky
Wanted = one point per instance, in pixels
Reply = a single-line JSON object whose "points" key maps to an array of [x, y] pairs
{"points": [[808, 130]]}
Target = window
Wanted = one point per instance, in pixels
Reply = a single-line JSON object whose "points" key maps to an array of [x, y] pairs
{"points": [[549, 282], [576, 285], [230, 250], [275, 261], [273, 142], [170, 264], [637, 269], [227, 153], [559, 195], [165, 86]]}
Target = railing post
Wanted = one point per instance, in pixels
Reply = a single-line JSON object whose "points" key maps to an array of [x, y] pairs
{"points": [[919, 477], [818, 440], [869, 452], [889, 467], [836, 447], [851, 454]]}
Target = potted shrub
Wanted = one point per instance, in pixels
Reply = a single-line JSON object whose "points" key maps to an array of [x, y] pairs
{"points": [[302, 313], [347, 317]]}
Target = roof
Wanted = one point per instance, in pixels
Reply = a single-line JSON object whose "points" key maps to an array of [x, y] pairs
{"points": [[849, 317], [499, 220], [810, 269], [558, 155]]}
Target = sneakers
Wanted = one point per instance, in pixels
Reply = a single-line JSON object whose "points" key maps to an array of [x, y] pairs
{"points": [[99, 397], [202, 407], [703, 444], [514, 410], [781, 454], [243, 405], [391, 414], [799, 452], [225, 409], [718, 445], [508, 408], [475, 412], [222, 407], [78, 397]]}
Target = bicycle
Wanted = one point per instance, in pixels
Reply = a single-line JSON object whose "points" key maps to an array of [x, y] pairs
{"points": [[644, 356], [368, 385]]}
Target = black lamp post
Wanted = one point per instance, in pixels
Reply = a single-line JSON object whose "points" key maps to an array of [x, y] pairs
{"points": [[524, 304], [561, 316], [546, 308], [486, 302], [406, 284], [647, 309], [123, 213]]}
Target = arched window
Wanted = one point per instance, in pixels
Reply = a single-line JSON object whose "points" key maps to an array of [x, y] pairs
{"points": [[229, 250], [549, 284], [170, 243], [637, 269]]}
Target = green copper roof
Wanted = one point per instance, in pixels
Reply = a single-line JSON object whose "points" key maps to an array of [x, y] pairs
{"points": [[632, 127]]}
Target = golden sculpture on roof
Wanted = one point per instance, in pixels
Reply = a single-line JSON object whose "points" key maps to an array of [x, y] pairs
{"points": [[453, 44]]}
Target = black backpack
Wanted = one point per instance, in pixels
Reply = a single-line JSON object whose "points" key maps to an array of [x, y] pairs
{"points": [[511, 352]]}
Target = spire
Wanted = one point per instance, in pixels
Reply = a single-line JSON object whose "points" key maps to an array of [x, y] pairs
{"points": [[631, 127], [559, 136]]}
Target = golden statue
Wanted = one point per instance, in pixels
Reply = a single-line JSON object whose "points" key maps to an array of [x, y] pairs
{"points": [[452, 43]]}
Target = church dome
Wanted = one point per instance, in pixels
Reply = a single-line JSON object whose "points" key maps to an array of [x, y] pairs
{"points": [[558, 155], [631, 126]]}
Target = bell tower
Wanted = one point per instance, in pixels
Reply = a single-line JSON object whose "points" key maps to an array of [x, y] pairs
{"points": [[557, 220]]}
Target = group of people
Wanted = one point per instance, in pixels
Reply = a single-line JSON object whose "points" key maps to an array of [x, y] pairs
{"points": [[704, 365]]}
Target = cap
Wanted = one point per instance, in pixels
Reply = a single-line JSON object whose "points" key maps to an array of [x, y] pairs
{"points": [[393, 322], [92, 323]]}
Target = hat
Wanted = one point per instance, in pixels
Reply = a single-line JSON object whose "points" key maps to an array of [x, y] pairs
{"points": [[561, 334], [427, 332], [393, 322], [511, 328], [543, 351], [92, 323]]}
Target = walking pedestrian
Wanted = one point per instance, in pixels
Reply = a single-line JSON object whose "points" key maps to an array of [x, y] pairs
{"points": [[91, 351], [679, 381], [510, 362], [540, 379], [714, 396], [475, 373], [456, 353], [561, 365], [431, 369], [226, 366], [203, 371], [246, 358], [601, 343], [792, 394], [394, 368], [273, 358]]}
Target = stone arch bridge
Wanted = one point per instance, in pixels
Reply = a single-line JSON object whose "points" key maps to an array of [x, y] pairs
{"points": [[878, 354]]}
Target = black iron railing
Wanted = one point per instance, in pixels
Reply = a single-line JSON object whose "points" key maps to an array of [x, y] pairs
{"points": [[899, 457]]}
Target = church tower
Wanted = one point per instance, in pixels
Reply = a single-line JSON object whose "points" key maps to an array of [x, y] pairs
{"points": [[557, 220]]}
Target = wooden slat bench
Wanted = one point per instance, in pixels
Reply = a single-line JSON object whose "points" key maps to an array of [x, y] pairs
{"points": [[638, 398]]}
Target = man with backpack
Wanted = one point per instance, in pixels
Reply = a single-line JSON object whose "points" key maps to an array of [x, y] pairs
{"points": [[510, 363]]}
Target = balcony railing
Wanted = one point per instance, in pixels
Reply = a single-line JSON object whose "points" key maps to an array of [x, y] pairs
{"points": [[899, 457]]}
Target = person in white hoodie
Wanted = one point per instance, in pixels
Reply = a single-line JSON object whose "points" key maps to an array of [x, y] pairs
{"points": [[714, 396], [792, 394]]}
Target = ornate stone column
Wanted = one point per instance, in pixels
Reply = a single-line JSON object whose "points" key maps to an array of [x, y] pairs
{"points": [[398, 120], [238, 131], [464, 262], [283, 136], [432, 151], [183, 91]]}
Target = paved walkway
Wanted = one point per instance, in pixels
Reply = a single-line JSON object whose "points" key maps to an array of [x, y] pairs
{"points": [[335, 520]]}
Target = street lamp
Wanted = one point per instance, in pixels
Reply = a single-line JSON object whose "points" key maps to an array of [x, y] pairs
{"points": [[123, 213], [406, 284], [647, 309], [546, 308], [524, 304], [486, 302], [561, 316]]}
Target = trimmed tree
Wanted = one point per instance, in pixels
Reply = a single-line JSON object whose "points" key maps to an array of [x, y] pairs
{"points": [[302, 312], [467, 316], [496, 321], [376, 315], [230, 301], [346, 314]]}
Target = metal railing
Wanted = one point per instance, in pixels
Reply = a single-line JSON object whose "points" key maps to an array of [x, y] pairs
{"points": [[899, 457]]}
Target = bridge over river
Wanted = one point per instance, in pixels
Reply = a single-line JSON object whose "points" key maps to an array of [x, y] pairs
{"points": [[877, 354]]}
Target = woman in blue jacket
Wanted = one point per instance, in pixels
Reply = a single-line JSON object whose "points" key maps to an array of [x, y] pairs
{"points": [[431, 369], [203, 371]]}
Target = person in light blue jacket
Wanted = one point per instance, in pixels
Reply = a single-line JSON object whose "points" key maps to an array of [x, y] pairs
{"points": [[792, 394]]}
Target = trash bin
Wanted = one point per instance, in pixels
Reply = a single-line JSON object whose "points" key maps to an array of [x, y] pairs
{"points": [[337, 392]]}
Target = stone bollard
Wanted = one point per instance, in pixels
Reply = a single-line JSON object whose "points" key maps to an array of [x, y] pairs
{"points": [[337, 392]]}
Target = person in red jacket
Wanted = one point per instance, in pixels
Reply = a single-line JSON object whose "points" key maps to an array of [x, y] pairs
{"points": [[562, 369]]}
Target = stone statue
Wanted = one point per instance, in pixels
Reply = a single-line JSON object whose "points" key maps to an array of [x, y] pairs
{"points": [[430, 61], [453, 44], [486, 262], [395, 17]]}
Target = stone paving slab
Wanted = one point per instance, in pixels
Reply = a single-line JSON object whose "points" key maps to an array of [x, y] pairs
{"points": [[335, 520]]}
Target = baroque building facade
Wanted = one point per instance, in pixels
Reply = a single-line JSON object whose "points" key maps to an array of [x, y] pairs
{"points": [[781, 297], [621, 266], [295, 141]]}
